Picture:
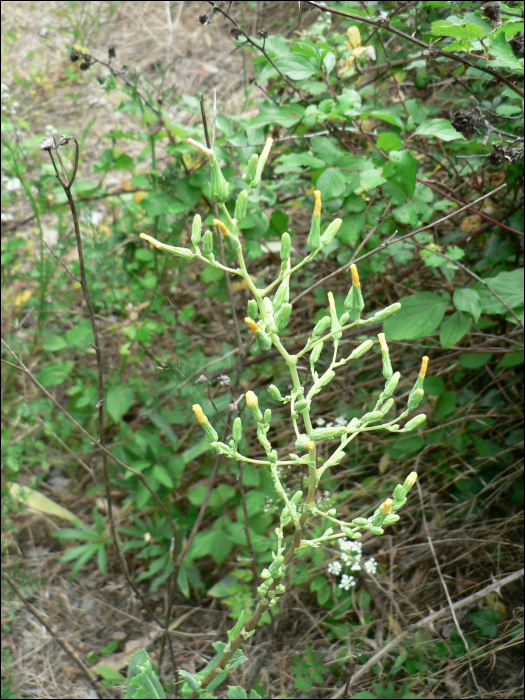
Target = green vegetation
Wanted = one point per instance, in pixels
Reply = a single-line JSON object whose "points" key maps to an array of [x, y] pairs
{"points": [[382, 150]]}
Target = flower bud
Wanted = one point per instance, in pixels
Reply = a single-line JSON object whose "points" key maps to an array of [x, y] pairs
{"points": [[253, 309], [211, 433], [415, 422], [241, 205], [387, 406], [250, 171], [389, 311], [253, 404], [415, 399], [372, 417], [361, 349], [237, 429], [326, 378], [316, 353], [200, 147], [297, 497], [387, 506], [301, 405], [268, 415], [302, 442], [391, 385], [263, 339], [387, 365], [274, 392], [390, 519], [220, 188], [421, 377], [410, 481], [331, 232], [314, 238], [184, 253], [207, 246], [283, 293], [196, 230], [327, 433], [354, 302], [321, 326], [282, 317], [262, 161], [286, 246]]}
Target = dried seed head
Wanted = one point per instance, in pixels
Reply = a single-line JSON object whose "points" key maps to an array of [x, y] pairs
{"points": [[262, 33], [235, 32]]}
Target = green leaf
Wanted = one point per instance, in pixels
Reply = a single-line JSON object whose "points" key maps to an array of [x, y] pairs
{"points": [[405, 214], [296, 67], [486, 621], [385, 115], [389, 141], [420, 315], [467, 31], [143, 682], [55, 373], [119, 401], [468, 300], [158, 203], [81, 337], [160, 473], [475, 360], [509, 287], [502, 56], [54, 343], [440, 128], [511, 359], [109, 674], [369, 179], [331, 183], [286, 116], [453, 329], [434, 386]]}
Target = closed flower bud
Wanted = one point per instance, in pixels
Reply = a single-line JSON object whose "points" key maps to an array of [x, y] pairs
{"points": [[267, 415], [389, 311], [354, 302], [297, 497], [361, 349], [415, 399], [391, 385], [415, 422], [241, 205], [387, 365], [253, 405], [301, 405], [390, 519], [386, 408], [301, 442], [237, 429], [421, 377], [282, 317], [372, 417], [331, 232], [251, 169], [211, 433], [220, 188], [274, 392], [410, 481], [184, 253], [316, 353], [322, 326], [326, 378], [262, 161], [196, 230], [387, 506], [314, 238], [253, 309], [286, 246], [283, 294], [207, 247], [327, 433]]}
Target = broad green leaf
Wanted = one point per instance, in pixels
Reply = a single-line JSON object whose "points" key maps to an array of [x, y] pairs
{"points": [[158, 203], [55, 373], [453, 329], [195, 450], [286, 116], [81, 336], [468, 300], [119, 401], [369, 179], [221, 545], [329, 62], [486, 621], [296, 67], [160, 473], [385, 116], [405, 214], [54, 343], [511, 359], [433, 386], [474, 360], [446, 28], [110, 674], [404, 169], [508, 286], [389, 141], [331, 183], [440, 128], [503, 57], [166, 428], [420, 315]]}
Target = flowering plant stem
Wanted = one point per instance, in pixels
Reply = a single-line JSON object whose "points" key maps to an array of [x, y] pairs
{"points": [[267, 317]]}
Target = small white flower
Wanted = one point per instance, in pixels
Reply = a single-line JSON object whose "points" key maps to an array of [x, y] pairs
{"points": [[320, 421], [335, 568], [356, 566], [347, 582], [345, 558], [12, 184], [371, 566], [340, 420]]}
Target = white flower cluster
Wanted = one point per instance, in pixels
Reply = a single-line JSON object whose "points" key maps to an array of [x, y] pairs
{"points": [[8, 105], [351, 556], [321, 423]]}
